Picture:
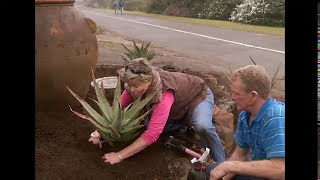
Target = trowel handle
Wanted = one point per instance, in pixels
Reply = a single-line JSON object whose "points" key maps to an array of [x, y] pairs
{"points": [[176, 145], [192, 153]]}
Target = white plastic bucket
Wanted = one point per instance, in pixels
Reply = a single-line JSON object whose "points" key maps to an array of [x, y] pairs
{"points": [[108, 82]]}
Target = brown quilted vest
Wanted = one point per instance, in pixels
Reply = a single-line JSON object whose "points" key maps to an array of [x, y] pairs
{"points": [[189, 90]]}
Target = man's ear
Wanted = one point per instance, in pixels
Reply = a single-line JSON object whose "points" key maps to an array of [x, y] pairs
{"points": [[254, 95]]}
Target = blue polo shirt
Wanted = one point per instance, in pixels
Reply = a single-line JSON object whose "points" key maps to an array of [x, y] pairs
{"points": [[266, 135]]}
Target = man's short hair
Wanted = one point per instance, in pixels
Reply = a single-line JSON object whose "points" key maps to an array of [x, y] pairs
{"points": [[254, 78]]}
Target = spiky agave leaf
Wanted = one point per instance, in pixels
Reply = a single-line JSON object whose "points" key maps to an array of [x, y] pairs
{"points": [[130, 54], [274, 78], [129, 136], [106, 137], [253, 60], [89, 109], [124, 122], [111, 130], [117, 107], [108, 120], [137, 106], [147, 45], [144, 51], [104, 96], [124, 58], [150, 56], [132, 129], [134, 122], [129, 51], [136, 50], [93, 121], [103, 102]]}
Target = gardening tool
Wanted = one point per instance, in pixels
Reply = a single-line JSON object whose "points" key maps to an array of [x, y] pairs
{"points": [[201, 160], [175, 144]]}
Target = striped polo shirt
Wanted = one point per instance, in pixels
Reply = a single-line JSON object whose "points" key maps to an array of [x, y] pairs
{"points": [[266, 134]]}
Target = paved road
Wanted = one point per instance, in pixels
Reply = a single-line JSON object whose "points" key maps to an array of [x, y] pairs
{"points": [[222, 47]]}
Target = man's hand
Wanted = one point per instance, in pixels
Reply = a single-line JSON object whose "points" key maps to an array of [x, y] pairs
{"points": [[220, 172], [112, 158], [229, 176], [95, 138]]}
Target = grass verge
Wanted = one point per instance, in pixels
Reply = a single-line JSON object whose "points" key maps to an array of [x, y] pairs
{"points": [[279, 31]]}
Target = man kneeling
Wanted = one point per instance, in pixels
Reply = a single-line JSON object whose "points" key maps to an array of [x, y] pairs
{"points": [[261, 127]]}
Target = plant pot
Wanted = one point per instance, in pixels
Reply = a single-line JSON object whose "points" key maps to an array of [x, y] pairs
{"points": [[66, 49]]}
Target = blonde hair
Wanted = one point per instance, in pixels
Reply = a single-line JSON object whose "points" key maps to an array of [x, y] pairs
{"points": [[254, 78], [139, 69]]}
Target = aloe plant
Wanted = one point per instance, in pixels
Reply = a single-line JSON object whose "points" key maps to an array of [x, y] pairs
{"points": [[273, 80], [142, 52], [114, 123]]}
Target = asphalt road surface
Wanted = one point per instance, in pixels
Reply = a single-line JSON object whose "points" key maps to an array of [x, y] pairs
{"points": [[222, 47]]}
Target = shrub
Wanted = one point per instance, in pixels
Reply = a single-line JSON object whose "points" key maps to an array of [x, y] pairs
{"points": [[142, 52], [260, 12]]}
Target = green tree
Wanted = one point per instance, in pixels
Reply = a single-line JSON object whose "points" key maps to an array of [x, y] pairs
{"points": [[261, 12], [219, 9]]}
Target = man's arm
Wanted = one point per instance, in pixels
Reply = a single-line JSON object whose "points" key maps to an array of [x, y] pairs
{"points": [[239, 154], [271, 169]]}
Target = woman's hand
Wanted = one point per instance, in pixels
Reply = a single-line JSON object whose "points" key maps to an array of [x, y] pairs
{"points": [[112, 158], [95, 138]]}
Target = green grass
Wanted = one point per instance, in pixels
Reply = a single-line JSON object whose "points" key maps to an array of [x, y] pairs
{"points": [[214, 23]]}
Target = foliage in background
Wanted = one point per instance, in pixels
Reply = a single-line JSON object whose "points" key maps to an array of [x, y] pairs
{"points": [[114, 123], [177, 9], [257, 12], [142, 52], [130, 5], [260, 12], [134, 5], [219, 9], [96, 3], [156, 6]]}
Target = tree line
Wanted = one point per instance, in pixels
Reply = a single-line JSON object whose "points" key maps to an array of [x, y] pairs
{"points": [[256, 12]]}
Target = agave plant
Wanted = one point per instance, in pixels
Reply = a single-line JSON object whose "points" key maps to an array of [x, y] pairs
{"points": [[114, 123], [142, 52], [275, 75], [273, 80]]}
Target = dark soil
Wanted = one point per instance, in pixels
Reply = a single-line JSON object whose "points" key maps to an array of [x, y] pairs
{"points": [[63, 152], [62, 149]]}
